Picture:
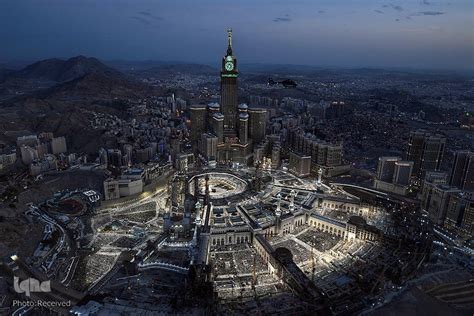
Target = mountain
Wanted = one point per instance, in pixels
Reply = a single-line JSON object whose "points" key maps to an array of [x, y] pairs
{"points": [[97, 86], [62, 96], [60, 70], [67, 108], [41, 77]]}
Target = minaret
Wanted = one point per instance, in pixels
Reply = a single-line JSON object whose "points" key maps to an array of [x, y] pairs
{"points": [[278, 209], [292, 200], [207, 199], [229, 74], [278, 214], [320, 173], [197, 209]]}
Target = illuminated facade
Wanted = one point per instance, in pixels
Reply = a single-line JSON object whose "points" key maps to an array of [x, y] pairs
{"points": [[236, 127]]}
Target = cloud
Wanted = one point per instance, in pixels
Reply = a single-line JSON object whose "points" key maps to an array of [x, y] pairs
{"points": [[397, 7], [379, 11], [150, 15], [286, 18], [427, 13], [426, 2], [393, 6], [321, 11], [147, 18], [281, 19]]}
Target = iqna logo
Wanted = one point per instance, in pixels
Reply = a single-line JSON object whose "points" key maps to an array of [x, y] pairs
{"points": [[31, 285]]}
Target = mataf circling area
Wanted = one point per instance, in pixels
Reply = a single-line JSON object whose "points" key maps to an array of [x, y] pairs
{"points": [[221, 185]]}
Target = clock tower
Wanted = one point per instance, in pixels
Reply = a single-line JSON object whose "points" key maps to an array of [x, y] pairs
{"points": [[229, 76]]}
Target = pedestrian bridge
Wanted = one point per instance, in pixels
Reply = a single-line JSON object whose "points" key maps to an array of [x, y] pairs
{"points": [[162, 265]]}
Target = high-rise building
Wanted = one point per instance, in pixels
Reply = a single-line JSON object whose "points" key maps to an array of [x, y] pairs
{"points": [[42, 149], [394, 170], [386, 168], [393, 175], [114, 158], [276, 152], [299, 165], [209, 146], [28, 154], [58, 145], [402, 172], [229, 74], [426, 151], [198, 121], [460, 212], [257, 124], [462, 174], [236, 127], [243, 128], [324, 155], [435, 199], [217, 126]]}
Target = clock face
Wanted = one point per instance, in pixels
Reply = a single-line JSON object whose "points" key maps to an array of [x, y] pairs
{"points": [[229, 66]]}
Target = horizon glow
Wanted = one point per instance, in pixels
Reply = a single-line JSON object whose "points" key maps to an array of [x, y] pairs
{"points": [[417, 34]]}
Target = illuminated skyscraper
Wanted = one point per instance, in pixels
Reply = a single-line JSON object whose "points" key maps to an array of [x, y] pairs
{"points": [[217, 126], [237, 128], [257, 124], [198, 121], [426, 151], [229, 74], [386, 168], [402, 173], [462, 174]]}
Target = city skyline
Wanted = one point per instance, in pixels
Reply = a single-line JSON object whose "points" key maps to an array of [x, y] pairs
{"points": [[325, 167], [420, 34]]}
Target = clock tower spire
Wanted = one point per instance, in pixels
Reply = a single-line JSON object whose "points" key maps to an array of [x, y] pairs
{"points": [[229, 42]]}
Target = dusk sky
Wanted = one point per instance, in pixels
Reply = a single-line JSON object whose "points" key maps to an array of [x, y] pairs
{"points": [[352, 33]]}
